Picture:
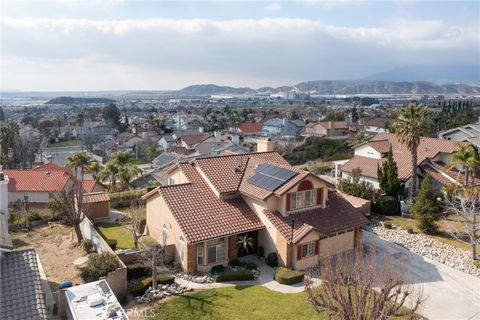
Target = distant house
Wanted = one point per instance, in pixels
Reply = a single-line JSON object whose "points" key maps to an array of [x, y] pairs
{"points": [[144, 127], [249, 128], [378, 125], [189, 122], [467, 133], [166, 141], [327, 129], [371, 154], [29, 133], [191, 141], [282, 127]]}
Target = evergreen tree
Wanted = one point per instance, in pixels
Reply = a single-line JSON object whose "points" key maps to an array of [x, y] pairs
{"points": [[354, 114], [426, 208], [388, 176]]}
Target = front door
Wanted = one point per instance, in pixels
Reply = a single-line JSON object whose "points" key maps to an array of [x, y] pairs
{"points": [[247, 245]]}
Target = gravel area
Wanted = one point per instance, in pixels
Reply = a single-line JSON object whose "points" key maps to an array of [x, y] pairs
{"points": [[427, 247]]}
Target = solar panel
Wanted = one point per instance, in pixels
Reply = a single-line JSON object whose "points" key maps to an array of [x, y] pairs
{"points": [[271, 177]]}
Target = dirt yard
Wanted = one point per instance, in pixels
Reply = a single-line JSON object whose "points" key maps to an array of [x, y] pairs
{"points": [[56, 246]]}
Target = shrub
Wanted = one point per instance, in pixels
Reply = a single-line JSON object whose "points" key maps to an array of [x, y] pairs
{"points": [[34, 216], [288, 276], [387, 225], [322, 169], [260, 252], [236, 263], [87, 245], [112, 243], [98, 265], [136, 270], [410, 230], [142, 286], [426, 208], [272, 260], [217, 269], [251, 266], [387, 205], [242, 275]]}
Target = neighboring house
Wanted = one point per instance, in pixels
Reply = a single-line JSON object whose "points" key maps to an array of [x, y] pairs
{"points": [[468, 133], [166, 141], [29, 133], [371, 154], [191, 141], [93, 300], [282, 127], [249, 129], [212, 201], [189, 122], [378, 125], [144, 127], [92, 186], [327, 129]]}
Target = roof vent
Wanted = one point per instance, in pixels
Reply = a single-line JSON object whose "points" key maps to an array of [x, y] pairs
{"points": [[48, 173], [94, 300]]}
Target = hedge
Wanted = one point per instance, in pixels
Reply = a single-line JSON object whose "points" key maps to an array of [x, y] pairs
{"points": [[272, 260], [136, 270], [142, 286], [387, 205], [288, 276], [242, 275], [217, 269]]}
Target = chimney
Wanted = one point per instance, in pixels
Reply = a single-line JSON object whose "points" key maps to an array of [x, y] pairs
{"points": [[200, 129], [236, 139], [265, 145], [218, 136], [331, 126]]}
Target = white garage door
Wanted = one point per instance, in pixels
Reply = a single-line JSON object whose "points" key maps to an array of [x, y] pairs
{"points": [[340, 242]]}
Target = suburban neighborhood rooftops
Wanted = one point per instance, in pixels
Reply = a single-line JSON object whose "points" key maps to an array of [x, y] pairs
{"points": [[339, 215], [21, 295]]}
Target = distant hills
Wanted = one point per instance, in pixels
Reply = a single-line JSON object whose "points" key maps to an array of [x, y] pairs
{"points": [[326, 87], [77, 100]]}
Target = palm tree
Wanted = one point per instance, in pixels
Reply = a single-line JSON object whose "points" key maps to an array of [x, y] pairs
{"points": [[123, 157], [94, 168], [80, 159], [410, 125], [127, 174], [467, 157], [245, 243], [109, 172], [152, 151], [80, 121]]}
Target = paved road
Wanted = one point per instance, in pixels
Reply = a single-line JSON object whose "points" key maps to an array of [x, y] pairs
{"points": [[449, 293], [60, 153]]}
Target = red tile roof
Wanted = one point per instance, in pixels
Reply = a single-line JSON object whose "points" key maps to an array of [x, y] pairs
{"points": [[89, 185], [250, 127], [94, 197], [200, 214], [339, 215], [368, 165], [37, 180], [193, 139]]}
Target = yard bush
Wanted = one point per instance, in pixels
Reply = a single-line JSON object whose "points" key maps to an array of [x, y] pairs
{"points": [[136, 270], [112, 243], [251, 266], [87, 245], [243, 275], [387, 205], [98, 265], [217, 269], [142, 286], [236, 263], [272, 260], [288, 276], [34, 216]]}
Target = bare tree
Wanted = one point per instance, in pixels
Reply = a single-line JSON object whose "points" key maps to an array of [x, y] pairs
{"points": [[360, 286], [134, 223], [70, 206], [464, 205], [151, 257]]}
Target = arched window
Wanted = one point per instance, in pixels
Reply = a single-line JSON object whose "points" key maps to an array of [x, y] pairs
{"points": [[165, 235], [305, 197], [305, 185]]}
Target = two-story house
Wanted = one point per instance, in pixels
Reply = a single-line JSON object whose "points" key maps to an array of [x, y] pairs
{"points": [[211, 201], [282, 128], [327, 129]]}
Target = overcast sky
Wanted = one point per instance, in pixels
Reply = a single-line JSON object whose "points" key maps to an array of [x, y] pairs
{"points": [[116, 45]]}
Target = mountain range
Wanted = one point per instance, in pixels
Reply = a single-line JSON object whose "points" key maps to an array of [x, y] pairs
{"points": [[327, 87]]}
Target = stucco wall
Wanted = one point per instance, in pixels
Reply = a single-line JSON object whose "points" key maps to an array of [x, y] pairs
{"points": [[334, 245], [178, 176], [301, 264], [317, 183], [367, 151], [98, 210]]}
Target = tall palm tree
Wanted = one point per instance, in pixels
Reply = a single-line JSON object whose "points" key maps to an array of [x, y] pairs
{"points": [[94, 168], [110, 172], [80, 121], [123, 157], [467, 157], [127, 174], [78, 160], [410, 125]]}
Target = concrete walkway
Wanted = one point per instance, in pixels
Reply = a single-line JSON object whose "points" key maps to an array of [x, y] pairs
{"points": [[265, 279], [449, 293]]}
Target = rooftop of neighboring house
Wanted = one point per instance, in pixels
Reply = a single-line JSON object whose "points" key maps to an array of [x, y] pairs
{"points": [[21, 293], [37, 180], [212, 203], [94, 197], [470, 130], [89, 185], [428, 148], [195, 138], [250, 127], [448, 175], [378, 122], [181, 151], [334, 124]]}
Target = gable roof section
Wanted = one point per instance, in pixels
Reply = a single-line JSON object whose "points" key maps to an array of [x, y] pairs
{"points": [[89, 185], [368, 165], [95, 197], [339, 215], [200, 214], [250, 127], [21, 292], [194, 139]]}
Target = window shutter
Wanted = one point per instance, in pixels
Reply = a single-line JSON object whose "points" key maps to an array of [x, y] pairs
{"points": [[319, 196], [317, 243], [299, 252], [288, 202]]}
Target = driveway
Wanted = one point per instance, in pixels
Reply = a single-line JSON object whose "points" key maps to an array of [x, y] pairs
{"points": [[449, 293]]}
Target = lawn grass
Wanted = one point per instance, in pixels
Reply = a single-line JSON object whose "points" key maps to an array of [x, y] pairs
{"points": [[115, 231], [443, 237], [70, 143], [240, 302]]}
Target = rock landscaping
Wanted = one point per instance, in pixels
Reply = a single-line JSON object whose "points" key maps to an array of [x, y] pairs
{"points": [[162, 291], [426, 246], [205, 278]]}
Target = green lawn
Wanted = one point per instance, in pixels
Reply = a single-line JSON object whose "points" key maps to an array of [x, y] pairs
{"points": [[240, 302], [70, 143], [442, 236], [117, 232]]}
